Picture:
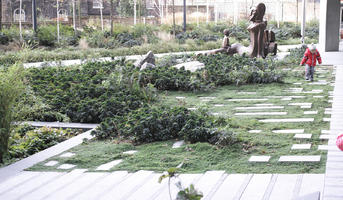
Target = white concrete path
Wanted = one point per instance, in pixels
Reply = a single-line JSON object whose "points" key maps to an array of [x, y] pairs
{"points": [[143, 185]]}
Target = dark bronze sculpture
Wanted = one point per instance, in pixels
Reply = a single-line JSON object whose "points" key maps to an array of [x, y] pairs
{"points": [[262, 41]]}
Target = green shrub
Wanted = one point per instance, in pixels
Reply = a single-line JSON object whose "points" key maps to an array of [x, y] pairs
{"points": [[47, 35], [171, 78], [149, 124], [27, 141], [221, 69], [4, 39]]}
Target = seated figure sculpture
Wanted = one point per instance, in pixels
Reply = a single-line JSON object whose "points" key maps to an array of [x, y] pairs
{"points": [[262, 41], [226, 48]]}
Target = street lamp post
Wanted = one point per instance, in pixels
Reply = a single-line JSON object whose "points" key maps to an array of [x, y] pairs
{"points": [[303, 22], [184, 15]]}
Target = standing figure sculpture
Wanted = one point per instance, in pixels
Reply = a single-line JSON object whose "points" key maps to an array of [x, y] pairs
{"points": [[256, 29]]}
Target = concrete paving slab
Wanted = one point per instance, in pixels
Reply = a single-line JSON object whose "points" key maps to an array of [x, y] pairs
{"points": [[178, 144], [299, 159], [128, 186], [290, 120], [15, 181], [144, 192], [311, 183], [301, 146], [289, 131], [131, 152], [247, 100], [109, 165], [56, 184], [51, 163], [77, 186], [102, 186], [185, 179], [259, 158], [257, 186], [284, 187], [208, 182], [311, 112], [302, 136], [66, 166], [230, 187], [30, 185], [255, 131], [67, 155], [260, 113], [259, 108]]}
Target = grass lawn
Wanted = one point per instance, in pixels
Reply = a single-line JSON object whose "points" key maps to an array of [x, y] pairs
{"points": [[201, 157]]}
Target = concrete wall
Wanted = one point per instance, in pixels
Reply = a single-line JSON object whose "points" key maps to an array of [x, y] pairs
{"points": [[329, 25]]}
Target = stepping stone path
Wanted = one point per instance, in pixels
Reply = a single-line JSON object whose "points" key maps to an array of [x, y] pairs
{"points": [[66, 166], [302, 136], [180, 98], [259, 108], [292, 120], [67, 155], [108, 166], [289, 131], [247, 100], [51, 163], [178, 144], [192, 109], [218, 105], [299, 159], [305, 106], [255, 131], [131, 152], [314, 112], [318, 97], [259, 159], [261, 113], [301, 146]]}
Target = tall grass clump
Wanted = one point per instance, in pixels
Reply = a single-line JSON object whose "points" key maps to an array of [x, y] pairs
{"points": [[11, 87]]}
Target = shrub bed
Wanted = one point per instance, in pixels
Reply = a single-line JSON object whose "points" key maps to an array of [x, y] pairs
{"points": [[150, 124], [89, 93]]}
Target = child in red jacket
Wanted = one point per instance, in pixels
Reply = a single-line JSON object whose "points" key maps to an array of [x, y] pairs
{"points": [[310, 59]]}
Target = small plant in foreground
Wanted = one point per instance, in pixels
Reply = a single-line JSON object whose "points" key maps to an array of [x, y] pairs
{"points": [[189, 193]]}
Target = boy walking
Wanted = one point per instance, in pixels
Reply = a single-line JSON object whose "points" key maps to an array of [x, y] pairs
{"points": [[310, 59]]}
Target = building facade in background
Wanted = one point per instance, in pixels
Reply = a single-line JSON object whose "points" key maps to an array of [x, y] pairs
{"points": [[155, 11]]}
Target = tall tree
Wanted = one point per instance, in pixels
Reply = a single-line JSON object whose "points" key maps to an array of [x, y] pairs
{"points": [[20, 17], [0, 15], [111, 16]]}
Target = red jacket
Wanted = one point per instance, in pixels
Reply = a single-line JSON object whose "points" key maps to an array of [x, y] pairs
{"points": [[311, 58]]}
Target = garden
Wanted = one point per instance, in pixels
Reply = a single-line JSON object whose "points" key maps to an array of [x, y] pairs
{"points": [[221, 114], [90, 42]]}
